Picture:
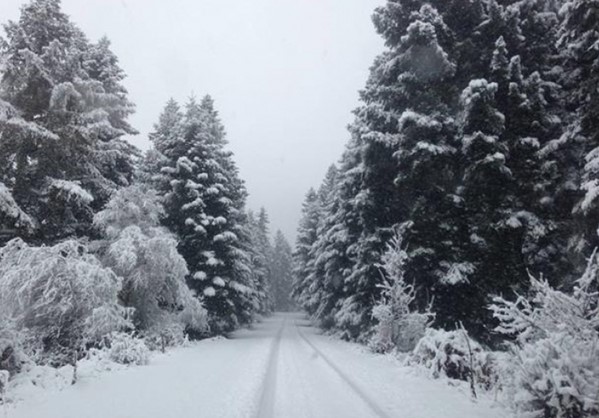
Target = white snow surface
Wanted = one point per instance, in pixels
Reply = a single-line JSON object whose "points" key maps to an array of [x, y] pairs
{"points": [[282, 367]]}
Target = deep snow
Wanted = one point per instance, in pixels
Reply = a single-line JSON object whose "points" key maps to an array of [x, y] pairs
{"points": [[280, 368]]}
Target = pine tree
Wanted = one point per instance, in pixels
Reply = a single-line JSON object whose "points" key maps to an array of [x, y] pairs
{"points": [[306, 236], [204, 200], [62, 142], [459, 142], [580, 58], [281, 276]]}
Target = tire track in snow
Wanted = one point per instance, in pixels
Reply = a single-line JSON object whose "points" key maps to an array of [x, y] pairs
{"points": [[358, 391], [267, 397]]}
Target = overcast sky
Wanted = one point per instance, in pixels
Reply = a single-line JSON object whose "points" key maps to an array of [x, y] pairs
{"points": [[284, 74]]}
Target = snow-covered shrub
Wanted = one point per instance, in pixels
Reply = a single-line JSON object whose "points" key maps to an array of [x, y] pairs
{"points": [[146, 257], [168, 335], [455, 355], [398, 324], [61, 295], [126, 349], [553, 369], [193, 316]]}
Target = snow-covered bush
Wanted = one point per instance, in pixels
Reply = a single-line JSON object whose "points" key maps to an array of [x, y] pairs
{"points": [[455, 355], [146, 257], [553, 369], [126, 349], [167, 335], [398, 324], [61, 295]]}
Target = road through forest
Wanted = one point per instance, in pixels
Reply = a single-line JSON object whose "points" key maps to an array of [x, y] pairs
{"points": [[282, 368]]}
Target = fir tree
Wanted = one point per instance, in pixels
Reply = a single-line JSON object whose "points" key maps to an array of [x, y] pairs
{"points": [[281, 276], [62, 142], [204, 200]]}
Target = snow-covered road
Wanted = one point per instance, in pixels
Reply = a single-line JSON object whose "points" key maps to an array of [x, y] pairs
{"points": [[281, 368]]}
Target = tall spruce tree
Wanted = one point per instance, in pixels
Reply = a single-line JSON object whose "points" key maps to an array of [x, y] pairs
{"points": [[281, 275], [204, 200], [61, 145], [579, 35], [459, 141]]}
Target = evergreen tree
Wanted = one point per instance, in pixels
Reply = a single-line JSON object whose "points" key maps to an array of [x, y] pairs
{"points": [[61, 143], [580, 58], [281, 275], [260, 250], [204, 200], [458, 142], [306, 236]]}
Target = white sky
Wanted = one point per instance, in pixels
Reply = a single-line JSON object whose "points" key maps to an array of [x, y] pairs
{"points": [[284, 74]]}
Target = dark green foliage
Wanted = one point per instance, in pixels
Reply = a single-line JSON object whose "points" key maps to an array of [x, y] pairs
{"points": [[462, 140]]}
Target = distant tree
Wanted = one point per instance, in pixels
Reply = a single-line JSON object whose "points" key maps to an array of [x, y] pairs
{"points": [[261, 253], [282, 273], [302, 262]]}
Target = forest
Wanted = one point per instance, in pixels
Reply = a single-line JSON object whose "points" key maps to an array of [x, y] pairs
{"points": [[457, 231], [103, 242]]}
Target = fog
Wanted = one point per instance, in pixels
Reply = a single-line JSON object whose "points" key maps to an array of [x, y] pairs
{"points": [[284, 74]]}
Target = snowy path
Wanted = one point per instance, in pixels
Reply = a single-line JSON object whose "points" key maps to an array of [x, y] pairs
{"points": [[281, 368]]}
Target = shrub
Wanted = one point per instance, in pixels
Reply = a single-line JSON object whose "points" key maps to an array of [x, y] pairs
{"points": [[126, 349], [553, 367], [168, 335], [398, 326], [61, 296], [447, 354]]}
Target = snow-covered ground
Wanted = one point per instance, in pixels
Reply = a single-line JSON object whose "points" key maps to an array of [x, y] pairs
{"points": [[281, 368]]}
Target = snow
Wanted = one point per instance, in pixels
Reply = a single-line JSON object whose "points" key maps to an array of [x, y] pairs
{"points": [[280, 368], [10, 208], [72, 190], [209, 292], [457, 273], [218, 281]]}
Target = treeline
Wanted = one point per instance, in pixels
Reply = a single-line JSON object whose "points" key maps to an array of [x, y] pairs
{"points": [[477, 137], [104, 246], [472, 164]]}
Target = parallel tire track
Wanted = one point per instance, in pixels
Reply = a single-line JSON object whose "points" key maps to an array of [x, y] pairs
{"points": [[358, 391], [267, 397]]}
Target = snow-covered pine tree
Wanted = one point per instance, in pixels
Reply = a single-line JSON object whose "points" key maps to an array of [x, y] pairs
{"points": [[403, 137], [113, 156], [412, 126], [262, 252], [579, 34], [69, 107], [281, 273], [326, 277], [302, 261], [486, 199], [204, 200]]}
